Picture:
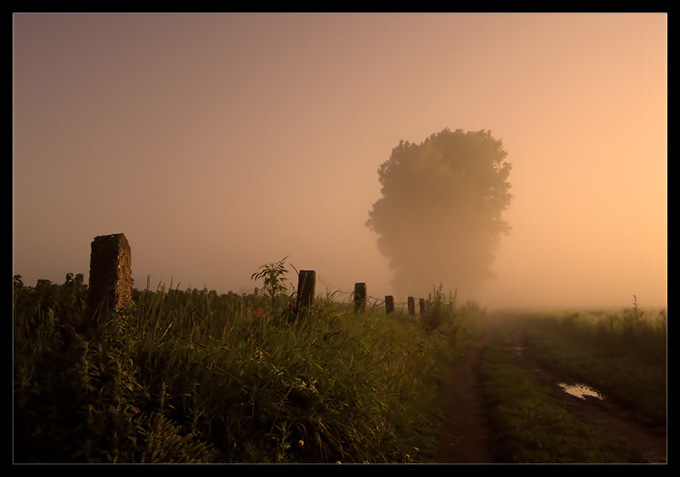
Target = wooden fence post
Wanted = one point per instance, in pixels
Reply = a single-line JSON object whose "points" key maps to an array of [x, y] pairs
{"points": [[421, 304], [389, 304], [306, 286], [359, 297], [110, 286], [411, 306]]}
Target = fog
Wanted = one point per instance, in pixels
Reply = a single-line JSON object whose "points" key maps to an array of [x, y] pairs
{"points": [[220, 142]]}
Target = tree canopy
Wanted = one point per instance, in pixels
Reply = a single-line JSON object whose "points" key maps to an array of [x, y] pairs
{"points": [[439, 219]]}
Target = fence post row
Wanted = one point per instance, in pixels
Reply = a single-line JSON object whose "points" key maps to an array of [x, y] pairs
{"points": [[110, 284]]}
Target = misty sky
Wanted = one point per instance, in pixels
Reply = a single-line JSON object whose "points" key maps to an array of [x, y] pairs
{"points": [[219, 142]]}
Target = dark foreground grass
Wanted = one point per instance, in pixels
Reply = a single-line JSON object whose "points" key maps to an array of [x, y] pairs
{"points": [[531, 425], [620, 353], [190, 376]]}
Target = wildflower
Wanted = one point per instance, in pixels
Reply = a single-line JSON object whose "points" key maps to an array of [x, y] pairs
{"points": [[258, 356]]}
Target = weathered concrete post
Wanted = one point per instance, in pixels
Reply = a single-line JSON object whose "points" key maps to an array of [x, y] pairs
{"points": [[421, 305], [306, 286], [110, 287], [389, 304], [411, 306], [359, 297]]}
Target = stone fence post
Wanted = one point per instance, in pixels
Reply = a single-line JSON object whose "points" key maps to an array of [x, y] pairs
{"points": [[389, 304], [110, 286], [306, 286], [359, 297]]}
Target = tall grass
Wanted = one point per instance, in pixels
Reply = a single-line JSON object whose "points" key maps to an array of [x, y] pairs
{"points": [[193, 376], [620, 352], [530, 424]]}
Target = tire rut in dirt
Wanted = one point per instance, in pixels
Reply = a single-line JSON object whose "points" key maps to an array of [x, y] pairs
{"points": [[465, 435], [648, 442]]}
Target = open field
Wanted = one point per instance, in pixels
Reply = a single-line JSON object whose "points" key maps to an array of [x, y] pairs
{"points": [[554, 396], [192, 376]]}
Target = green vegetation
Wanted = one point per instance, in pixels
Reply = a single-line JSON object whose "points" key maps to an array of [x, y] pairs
{"points": [[621, 353], [193, 376], [530, 424]]}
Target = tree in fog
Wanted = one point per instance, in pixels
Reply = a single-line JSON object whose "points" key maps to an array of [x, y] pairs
{"points": [[439, 218]]}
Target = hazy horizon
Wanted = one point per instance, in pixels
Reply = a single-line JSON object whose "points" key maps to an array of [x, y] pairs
{"points": [[220, 142]]}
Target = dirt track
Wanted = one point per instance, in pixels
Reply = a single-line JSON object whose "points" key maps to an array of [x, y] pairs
{"points": [[465, 439], [466, 435]]}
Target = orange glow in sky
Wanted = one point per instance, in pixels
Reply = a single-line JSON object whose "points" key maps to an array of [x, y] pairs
{"points": [[220, 142]]}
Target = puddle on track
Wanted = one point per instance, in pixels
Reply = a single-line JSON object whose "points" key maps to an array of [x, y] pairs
{"points": [[580, 391]]}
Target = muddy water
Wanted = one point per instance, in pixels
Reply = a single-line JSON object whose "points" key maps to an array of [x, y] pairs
{"points": [[580, 391]]}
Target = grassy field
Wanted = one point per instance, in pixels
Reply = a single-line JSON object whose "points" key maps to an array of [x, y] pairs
{"points": [[531, 425], [196, 377], [192, 376], [620, 353]]}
